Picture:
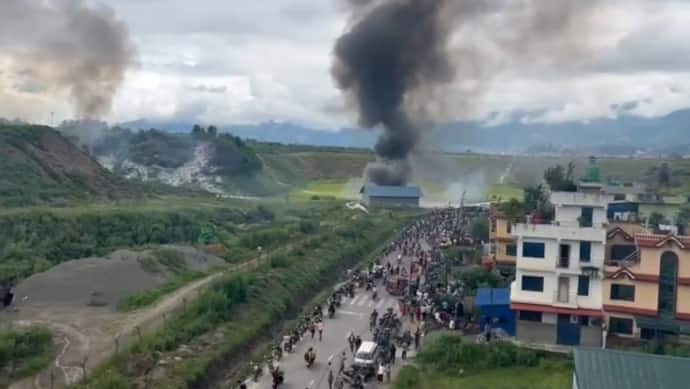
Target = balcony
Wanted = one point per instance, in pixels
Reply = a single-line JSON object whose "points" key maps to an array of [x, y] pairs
{"points": [[580, 199], [555, 231], [563, 263], [565, 299]]}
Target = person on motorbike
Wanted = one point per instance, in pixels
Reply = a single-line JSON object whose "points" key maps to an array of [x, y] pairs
{"points": [[331, 311], [375, 294]]}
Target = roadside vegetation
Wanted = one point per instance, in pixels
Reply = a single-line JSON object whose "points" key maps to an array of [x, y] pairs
{"points": [[149, 296], [238, 308], [35, 240], [446, 361], [23, 352]]}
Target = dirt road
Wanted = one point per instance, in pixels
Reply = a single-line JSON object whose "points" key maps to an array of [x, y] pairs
{"points": [[87, 337]]}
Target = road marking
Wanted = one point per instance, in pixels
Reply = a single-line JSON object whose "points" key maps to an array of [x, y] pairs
{"points": [[371, 304], [311, 383], [381, 304], [362, 301], [352, 313], [352, 302]]}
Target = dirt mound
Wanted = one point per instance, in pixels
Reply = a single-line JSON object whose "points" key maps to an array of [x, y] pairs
{"points": [[105, 281]]}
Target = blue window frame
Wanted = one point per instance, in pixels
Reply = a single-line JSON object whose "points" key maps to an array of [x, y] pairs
{"points": [[583, 286], [533, 249], [585, 251], [532, 283]]}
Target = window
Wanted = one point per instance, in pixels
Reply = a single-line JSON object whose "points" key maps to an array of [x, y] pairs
{"points": [[532, 283], [583, 286], [533, 250], [509, 227], [530, 316], [585, 251], [619, 325], [619, 197], [621, 251], [586, 217], [623, 292], [511, 250]]}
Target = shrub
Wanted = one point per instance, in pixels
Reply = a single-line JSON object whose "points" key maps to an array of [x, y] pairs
{"points": [[408, 378]]}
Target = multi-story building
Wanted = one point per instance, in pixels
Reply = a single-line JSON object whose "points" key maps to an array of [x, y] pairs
{"points": [[557, 292], [503, 250], [647, 285]]}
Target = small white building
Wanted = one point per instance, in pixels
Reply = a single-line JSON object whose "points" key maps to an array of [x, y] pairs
{"points": [[557, 292]]}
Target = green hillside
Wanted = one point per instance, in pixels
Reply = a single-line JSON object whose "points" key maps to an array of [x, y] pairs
{"points": [[39, 165]]}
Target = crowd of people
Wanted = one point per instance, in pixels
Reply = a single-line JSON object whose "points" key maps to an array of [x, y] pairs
{"points": [[414, 257]]}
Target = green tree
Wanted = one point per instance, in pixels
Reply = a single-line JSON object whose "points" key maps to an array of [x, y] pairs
{"points": [[212, 131], [480, 229], [513, 209], [560, 179], [197, 130], [656, 218]]}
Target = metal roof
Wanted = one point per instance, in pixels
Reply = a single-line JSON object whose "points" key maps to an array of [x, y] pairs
{"points": [[492, 296], [597, 368], [391, 191]]}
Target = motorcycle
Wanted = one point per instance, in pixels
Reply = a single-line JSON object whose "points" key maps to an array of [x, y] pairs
{"points": [[375, 295], [277, 353], [331, 311]]}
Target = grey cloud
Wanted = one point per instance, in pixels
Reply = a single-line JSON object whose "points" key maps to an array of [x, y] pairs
{"points": [[68, 45], [220, 89]]}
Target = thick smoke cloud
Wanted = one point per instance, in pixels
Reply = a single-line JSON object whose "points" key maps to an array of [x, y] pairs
{"points": [[66, 45], [404, 64], [395, 48]]}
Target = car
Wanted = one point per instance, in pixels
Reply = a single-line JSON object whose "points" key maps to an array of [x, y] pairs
{"points": [[366, 358]]}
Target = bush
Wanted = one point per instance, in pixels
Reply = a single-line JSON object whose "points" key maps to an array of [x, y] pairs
{"points": [[25, 350], [448, 354], [409, 377], [308, 227]]}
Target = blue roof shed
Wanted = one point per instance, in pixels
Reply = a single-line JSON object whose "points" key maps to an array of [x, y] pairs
{"points": [[494, 308]]}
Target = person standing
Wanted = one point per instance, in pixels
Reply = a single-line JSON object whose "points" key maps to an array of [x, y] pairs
{"points": [[358, 342], [343, 359], [312, 329], [387, 368], [330, 376], [351, 340], [319, 327], [417, 336], [380, 373], [393, 351]]}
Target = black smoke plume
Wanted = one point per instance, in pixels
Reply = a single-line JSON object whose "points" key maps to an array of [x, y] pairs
{"points": [[397, 56], [66, 45], [393, 49]]}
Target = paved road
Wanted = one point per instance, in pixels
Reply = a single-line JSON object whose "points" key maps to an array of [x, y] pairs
{"points": [[353, 315]]}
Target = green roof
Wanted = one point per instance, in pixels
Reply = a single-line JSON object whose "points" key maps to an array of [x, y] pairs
{"points": [[597, 368]]}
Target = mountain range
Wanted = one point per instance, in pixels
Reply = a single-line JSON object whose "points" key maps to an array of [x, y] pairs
{"points": [[623, 135]]}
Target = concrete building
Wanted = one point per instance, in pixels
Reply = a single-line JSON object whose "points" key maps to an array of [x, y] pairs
{"points": [[647, 293], [557, 292], [503, 250], [390, 196]]}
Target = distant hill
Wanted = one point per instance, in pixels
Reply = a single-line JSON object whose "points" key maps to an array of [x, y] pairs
{"points": [[623, 135], [217, 163], [39, 165]]}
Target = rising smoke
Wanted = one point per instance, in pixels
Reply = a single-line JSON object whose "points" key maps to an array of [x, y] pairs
{"points": [[406, 64], [66, 45]]}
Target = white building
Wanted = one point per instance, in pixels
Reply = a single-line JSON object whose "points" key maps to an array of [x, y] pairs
{"points": [[557, 289]]}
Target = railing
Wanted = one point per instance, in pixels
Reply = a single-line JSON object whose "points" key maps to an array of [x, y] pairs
{"points": [[564, 298], [563, 263], [630, 260]]}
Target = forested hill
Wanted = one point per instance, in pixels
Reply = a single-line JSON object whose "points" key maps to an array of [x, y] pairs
{"points": [[38, 165]]}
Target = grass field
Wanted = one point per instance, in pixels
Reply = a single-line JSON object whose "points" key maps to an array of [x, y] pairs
{"points": [[547, 375], [446, 361]]}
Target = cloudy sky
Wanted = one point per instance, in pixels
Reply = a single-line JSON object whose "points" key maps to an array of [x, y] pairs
{"points": [[227, 62]]}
